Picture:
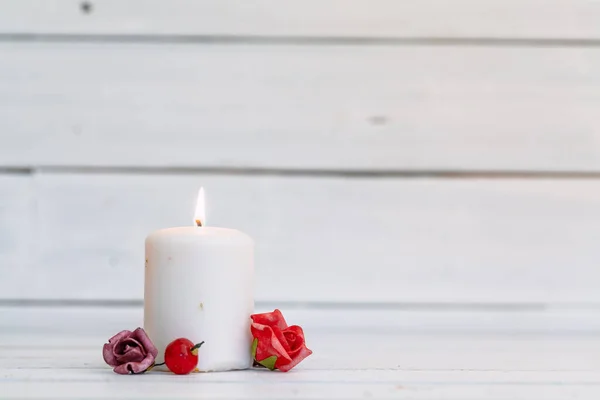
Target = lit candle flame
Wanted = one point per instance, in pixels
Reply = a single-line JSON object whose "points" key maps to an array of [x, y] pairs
{"points": [[199, 216]]}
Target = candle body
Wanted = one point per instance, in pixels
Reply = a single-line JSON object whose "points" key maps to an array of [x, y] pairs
{"points": [[199, 285]]}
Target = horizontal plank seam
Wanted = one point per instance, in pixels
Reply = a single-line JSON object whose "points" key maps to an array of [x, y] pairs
{"points": [[67, 348], [325, 173], [299, 40], [354, 382], [320, 305]]}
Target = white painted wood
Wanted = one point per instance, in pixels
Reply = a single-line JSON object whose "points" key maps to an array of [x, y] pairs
{"points": [[329, 239], [324, 107], [17, 227], [344, 365], [424, 320], [174, 387], [463, 385], [357, 18]]}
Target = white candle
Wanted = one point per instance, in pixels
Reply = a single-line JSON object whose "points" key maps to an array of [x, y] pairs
{"points": [[199, 285]]}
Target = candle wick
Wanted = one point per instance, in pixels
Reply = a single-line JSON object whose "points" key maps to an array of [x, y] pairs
{"points": [[198, 222]]}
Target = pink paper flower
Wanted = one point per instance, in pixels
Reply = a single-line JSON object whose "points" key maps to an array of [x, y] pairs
{"points": [[130, 352]]}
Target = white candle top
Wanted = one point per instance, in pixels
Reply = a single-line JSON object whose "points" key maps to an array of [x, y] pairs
{"points": [[209, 235]]}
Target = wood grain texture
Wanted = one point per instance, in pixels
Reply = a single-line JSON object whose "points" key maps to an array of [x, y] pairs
{"points": [[317, 18], [418, 385], [446, 322], [343, 108], [359, 240], [385, 366], [17, 226]]}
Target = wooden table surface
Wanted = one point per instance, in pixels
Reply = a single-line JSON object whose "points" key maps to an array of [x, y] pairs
{"points": [[363, 362]]}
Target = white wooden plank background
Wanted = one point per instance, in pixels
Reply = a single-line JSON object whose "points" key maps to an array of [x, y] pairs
{"points": [[353, 239], [556, 19], [444, 322], [17, 210], [342, 108], [308, 122]]}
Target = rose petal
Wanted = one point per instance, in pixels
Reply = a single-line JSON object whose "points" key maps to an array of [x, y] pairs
{"points": [[292, 340], [125, 345], [281, 338], [135, 367], [274, 318], [107, 350], [294, 336], [268, 343], [131, 351], [300, 355], [147, 344]]}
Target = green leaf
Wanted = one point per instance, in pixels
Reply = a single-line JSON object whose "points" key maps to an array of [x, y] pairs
{"points": [[254, 346], [269, 362]]}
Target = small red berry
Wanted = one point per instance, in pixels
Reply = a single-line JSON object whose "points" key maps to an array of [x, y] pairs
{"points": [[181, 356]]}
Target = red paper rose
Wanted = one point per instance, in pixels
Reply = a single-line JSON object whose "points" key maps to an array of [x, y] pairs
{"points": [[130, 352], [277, 345]]}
